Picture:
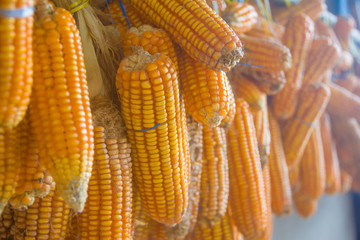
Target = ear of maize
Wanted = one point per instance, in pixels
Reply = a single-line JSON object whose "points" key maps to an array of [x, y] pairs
{"points": [[156, 128], [16, 71], [134, 17], [60, 109], [342, 29], [214, 189], [297, 130], [332, 168], [240, 16], [267, 30], [269, 226], [304, 205], [249, 214], [202, 33], [312, 178], [207, 93], [298, 36], [279, 176]]}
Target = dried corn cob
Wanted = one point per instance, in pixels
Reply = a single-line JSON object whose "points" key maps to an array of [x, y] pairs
{"points": [[6, 222], [322, 29], [342, 29], [268, 55], [244, 88], [267, 183], [60, 109], [207, 93], [263, 134], [241, 17], [16, 61], [322, 56], [297, 130], [214, 189], [151, 39], [298, 36], [10, 164], [312, 164], [267, 30], [135, 18], [245, 175], [46, 219], [343, 103], [304, 205], [155, 122], [332, 168], [312, 8], [279, 176], [197, 29]]}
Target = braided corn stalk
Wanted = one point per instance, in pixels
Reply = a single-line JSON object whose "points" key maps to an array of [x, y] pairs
{"points": [[60, 109], [193, 25], [245, 175], [16, 72], [298, 36], [156, 128], [241, 17]]}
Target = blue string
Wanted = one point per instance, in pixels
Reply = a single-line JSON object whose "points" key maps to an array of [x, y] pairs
{"points": [[145, 130], [124, 13], [17, 12], [247, 64], [112, 22]]}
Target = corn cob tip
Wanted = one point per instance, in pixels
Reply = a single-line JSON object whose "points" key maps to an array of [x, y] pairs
{"points": [[229, 58], [43, 8], [140, 59], [212, 120], [75, 195]]}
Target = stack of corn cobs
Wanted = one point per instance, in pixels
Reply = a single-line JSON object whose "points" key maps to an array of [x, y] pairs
{"points": [[217, 118]]}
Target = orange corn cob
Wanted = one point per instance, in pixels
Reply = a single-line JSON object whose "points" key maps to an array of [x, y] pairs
{"points": [[342, 29], [241, 17], [279, 176], [244, 88], [207, 93], [6, 222], [152, 40], [16, 61], [156, 128], [322, 29], [134, 17], [46, 219], [304, 205], [202, 33], [322, 56], [346, 181], [267, 30], [269, 226], [10, 165], [312, 164], [60, 109], [297, 130], [220, 5], [312, 8], [249, 214], [268, 55], [298, 36], [214, 190], [343, 103], [332, 168]]}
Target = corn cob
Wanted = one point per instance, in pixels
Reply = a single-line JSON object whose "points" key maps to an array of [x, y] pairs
{"points": [[262, 135], [6, 222], [267, 30], [16, 61], [297, 130], [322, 29], [135, 18], [245, 175], [197, 29], [220, 5], [214, 190], [312, 164], [60, 109], [244, 88], [298, 36], [332, 168], [322, 56], [304, 205], [149, 96], [342, 29], [241, 17], [279, 176], [312, 8], [207, 93], [268, 55], [343, 103], [269, 226], [346, 181], [10, 163], [46, 219]]}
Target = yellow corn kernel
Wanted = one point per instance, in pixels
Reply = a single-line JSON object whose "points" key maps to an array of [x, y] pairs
{"points": [[202, 33], [156, 127], [269, 226], [134, 17], [241, 17], [60, 109], [16, 63]]}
